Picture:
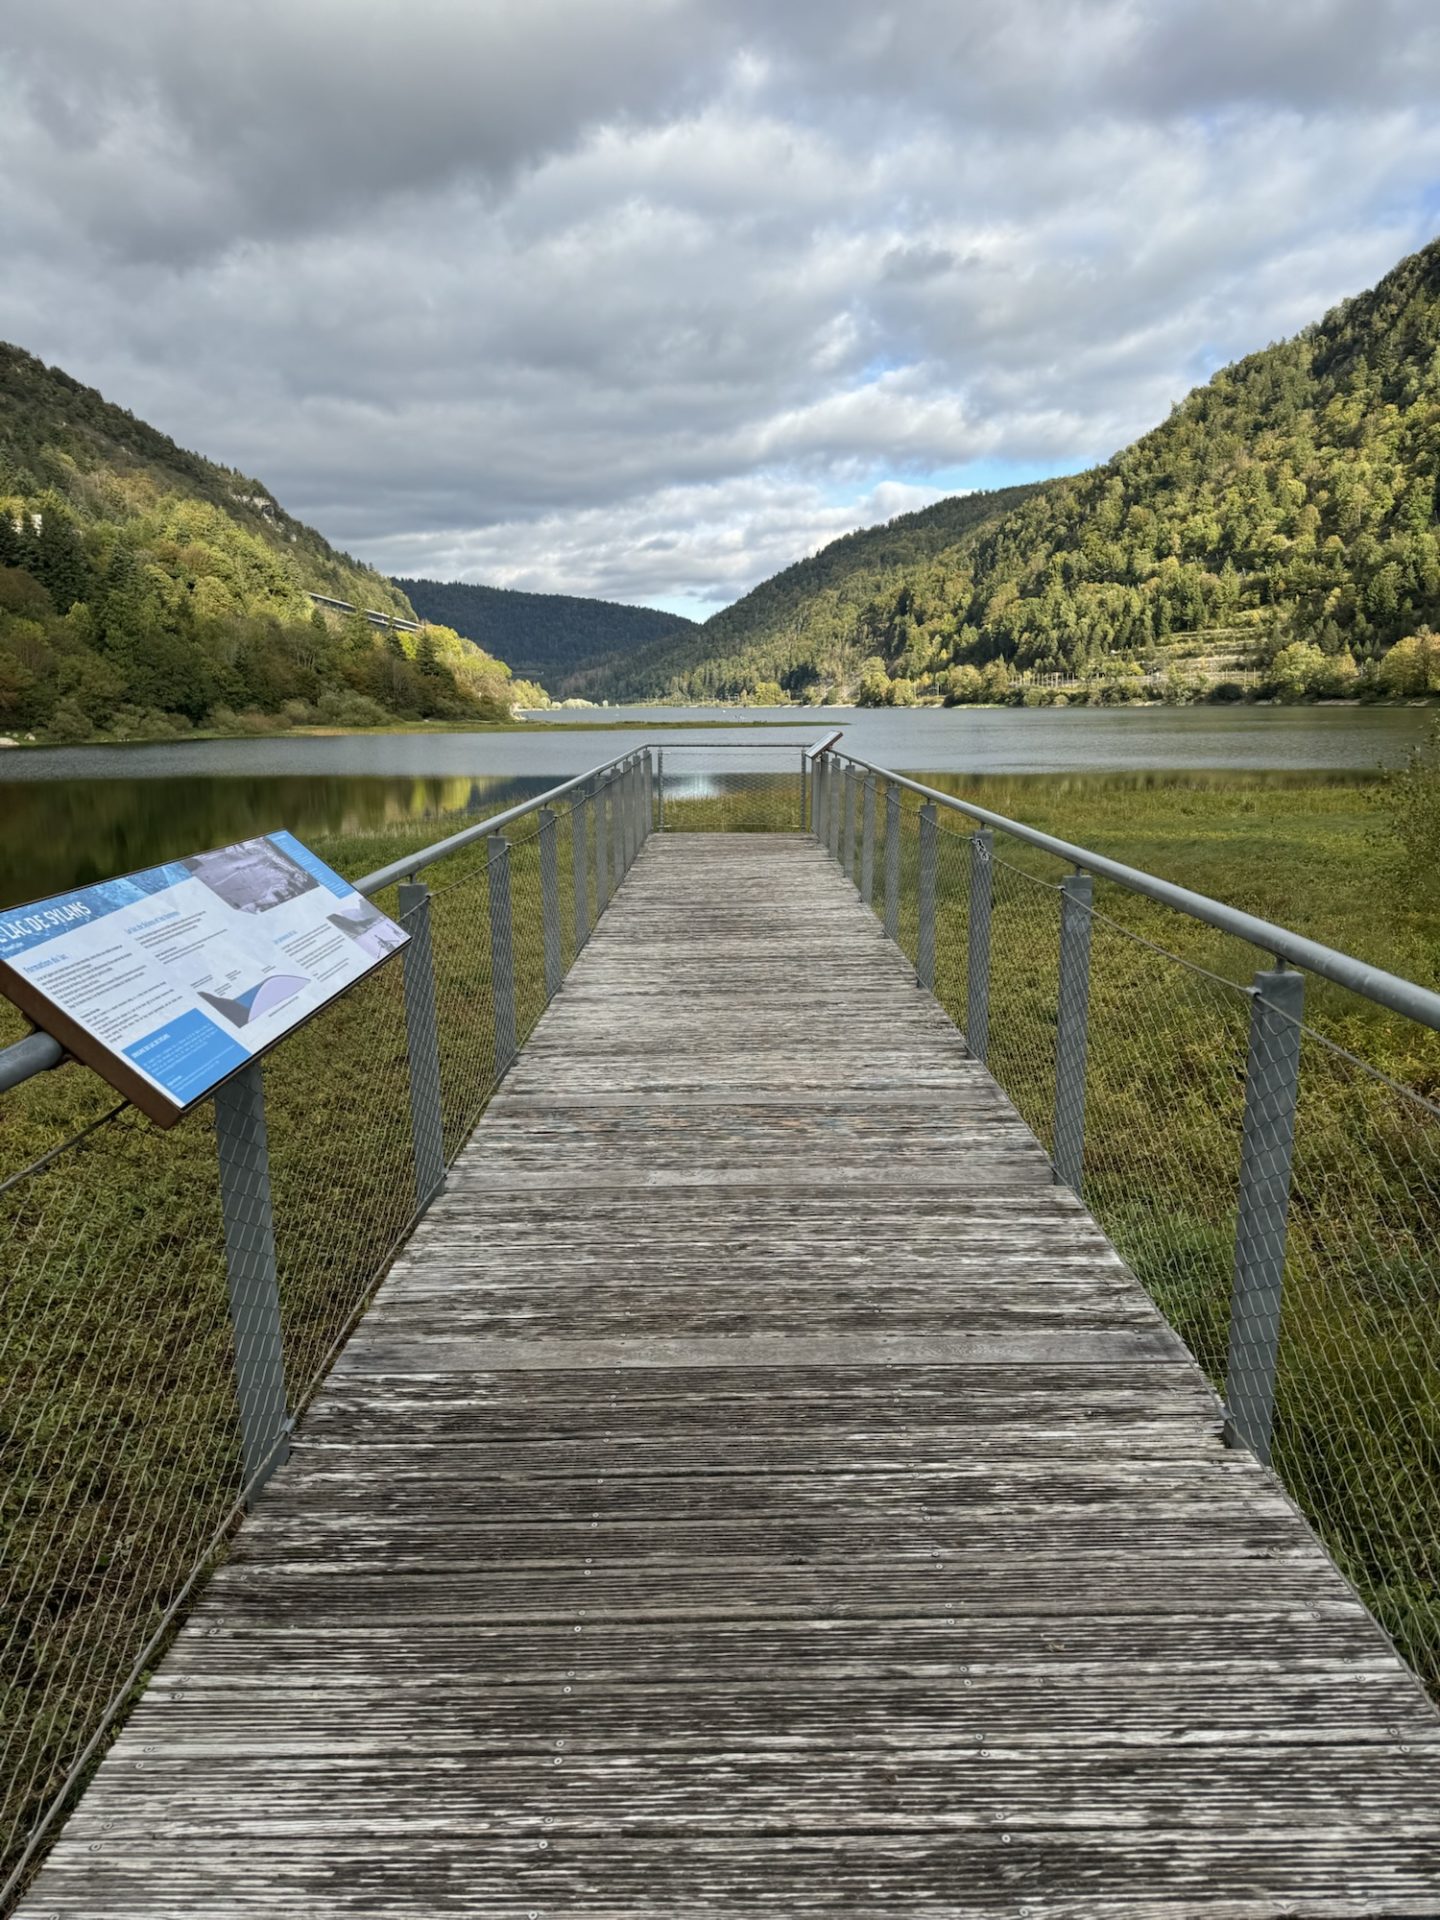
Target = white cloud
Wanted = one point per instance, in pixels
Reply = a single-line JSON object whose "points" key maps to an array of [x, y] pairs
{"points": [[649, 299]]}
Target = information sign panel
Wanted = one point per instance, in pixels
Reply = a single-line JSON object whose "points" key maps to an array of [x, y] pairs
{"points": [[167, 982]]}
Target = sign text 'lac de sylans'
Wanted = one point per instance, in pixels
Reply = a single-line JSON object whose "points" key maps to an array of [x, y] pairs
{"points": [[167, 982]]}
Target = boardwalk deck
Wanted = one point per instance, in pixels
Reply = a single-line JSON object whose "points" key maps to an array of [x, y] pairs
{"points": [[759, 1490]]}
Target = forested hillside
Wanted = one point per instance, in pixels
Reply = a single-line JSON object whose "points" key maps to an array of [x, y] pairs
{"points": [[145, 591], [1283, 519], [805, 629], [568, 642]]}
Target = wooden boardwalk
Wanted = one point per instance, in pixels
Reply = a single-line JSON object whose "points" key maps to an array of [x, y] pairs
{"points": [[759, 1490]]}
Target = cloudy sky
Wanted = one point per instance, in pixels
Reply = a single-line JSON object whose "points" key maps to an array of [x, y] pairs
{"points": [[646, 298]]}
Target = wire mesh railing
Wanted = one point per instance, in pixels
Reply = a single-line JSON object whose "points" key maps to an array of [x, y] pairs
{"points": [[1276, 1195], [171, 1299], [699, 788]]}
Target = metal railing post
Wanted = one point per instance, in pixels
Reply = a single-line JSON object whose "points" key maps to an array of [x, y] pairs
{"points": [[1272, 1086], [1077, 900], [580, 866], [602, 851], [249, 1218], [925, 900], [892, 861], [977, 983], [647, 796], [847, 829], [550, 902], [617, 830], [832, 824], [422, 1042], [633, 786], [660, 787], [867, 842], [620, 819], [804, 785], [502, 950], [814, 795]]}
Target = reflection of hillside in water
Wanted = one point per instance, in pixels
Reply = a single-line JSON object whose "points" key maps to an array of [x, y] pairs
{"points": [[71, 833]]}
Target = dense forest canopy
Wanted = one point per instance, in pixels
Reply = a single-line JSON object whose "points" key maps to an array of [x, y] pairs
{"points": [[569, 643], [1282, 520], [145, 591]]}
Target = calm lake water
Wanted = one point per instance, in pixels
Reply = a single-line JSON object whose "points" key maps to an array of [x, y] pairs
{"points": [[75, 814]]}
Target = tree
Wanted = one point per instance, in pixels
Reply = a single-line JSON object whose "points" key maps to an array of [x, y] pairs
{"points": [[1297, 670], [995, 680], [427, 660], [57, 558], [1412, 666], [13, 548], [962, 686], [1412, 811]]}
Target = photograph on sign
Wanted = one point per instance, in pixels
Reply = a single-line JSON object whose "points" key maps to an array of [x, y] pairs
{"points": [[170, 980]]}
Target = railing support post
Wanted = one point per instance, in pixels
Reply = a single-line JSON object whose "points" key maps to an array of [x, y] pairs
{"points": [[833, 785], [977, 983], [580, 866], [602, 851], [925, 931], [422, 1043], [550, 902], [1272, 1086], [249, 1218], [867, 842], [1077, 900], [847, 830], [804, 785], [892, 861], [617, 830], [660, 788], [502, 950]]}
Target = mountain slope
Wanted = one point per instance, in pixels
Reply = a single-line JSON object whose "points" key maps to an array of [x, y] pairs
{"points": [[145, 590], [802, 629], [1283, 517], [559, 638]]}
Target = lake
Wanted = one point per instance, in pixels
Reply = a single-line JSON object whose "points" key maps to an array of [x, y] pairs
{"points": [[76, 814]]}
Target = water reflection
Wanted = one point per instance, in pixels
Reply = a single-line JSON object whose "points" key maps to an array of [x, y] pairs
{"points": [[68, 833]]}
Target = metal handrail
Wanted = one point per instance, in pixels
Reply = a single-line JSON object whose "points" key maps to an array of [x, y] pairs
{"points": [[412, 863], [36, 1053], [1372, 983]]}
